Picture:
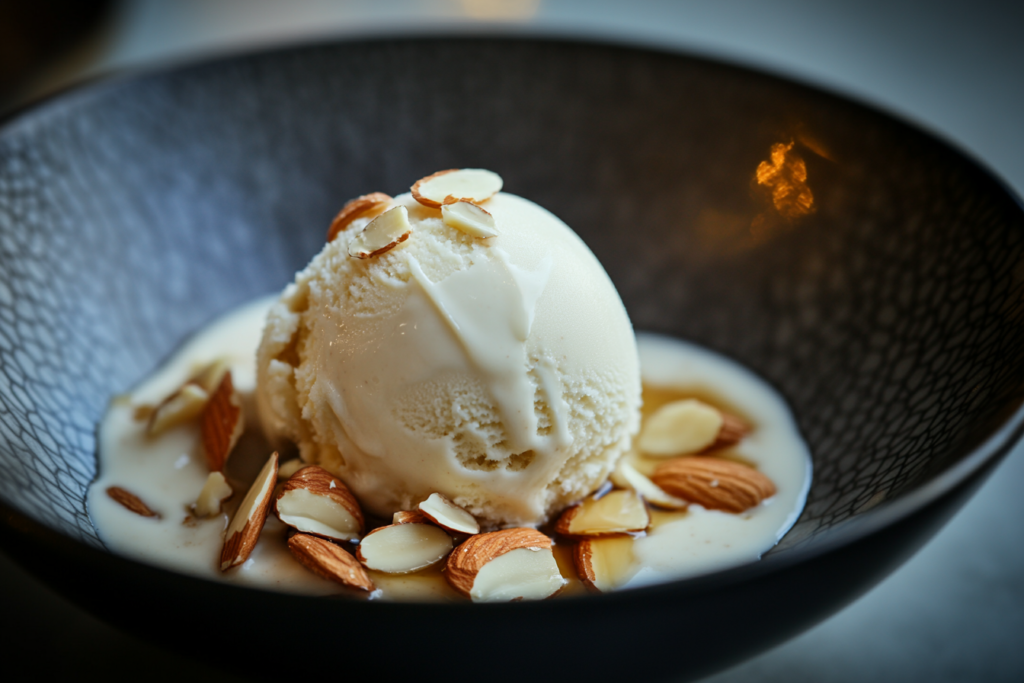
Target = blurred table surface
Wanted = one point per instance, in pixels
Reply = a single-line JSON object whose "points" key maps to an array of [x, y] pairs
{"points": [[955, 611]]}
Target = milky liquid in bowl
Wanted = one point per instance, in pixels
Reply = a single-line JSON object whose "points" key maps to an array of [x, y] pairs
{"points": [[168, 472]]}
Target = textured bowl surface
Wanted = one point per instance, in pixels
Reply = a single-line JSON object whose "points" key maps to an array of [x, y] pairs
{"points": [[870, 272]]}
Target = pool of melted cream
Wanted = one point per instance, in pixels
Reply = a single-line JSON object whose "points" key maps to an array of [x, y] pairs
{"points": [[168, 472]]}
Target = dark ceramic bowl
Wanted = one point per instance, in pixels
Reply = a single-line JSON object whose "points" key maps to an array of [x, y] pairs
{"points": [[873, 275]]}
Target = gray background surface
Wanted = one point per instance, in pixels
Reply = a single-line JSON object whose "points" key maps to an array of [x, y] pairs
{"points": [[955, 611]]}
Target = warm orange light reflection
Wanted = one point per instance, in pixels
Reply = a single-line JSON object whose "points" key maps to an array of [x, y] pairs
{"points": [[786, 177], [501, 10]]}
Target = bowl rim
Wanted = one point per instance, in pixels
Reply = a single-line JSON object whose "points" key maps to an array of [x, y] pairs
{"points": [[888, 513]]}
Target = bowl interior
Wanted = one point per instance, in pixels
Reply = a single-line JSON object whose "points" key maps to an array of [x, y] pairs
{"points": [[869, 272]]}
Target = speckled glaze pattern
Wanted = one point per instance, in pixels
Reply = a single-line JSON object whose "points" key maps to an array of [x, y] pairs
{"points": [[890, 315]]}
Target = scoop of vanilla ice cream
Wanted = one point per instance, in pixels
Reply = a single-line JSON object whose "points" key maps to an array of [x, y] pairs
{"points": [[501, 372]]}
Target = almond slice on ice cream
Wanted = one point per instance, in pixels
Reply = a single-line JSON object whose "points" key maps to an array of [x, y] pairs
{"points": [[689, 426], [469, 218], [506, 565], [604, 563], [328, 561], [131, 501], [617, 512], [245, 527], [449, 516], [215, 491], [714, 483], [223, 423], [627, 477], [316, 502], [409, 517], [366, 205], [404, 548], [382, 234], [469, 184]]}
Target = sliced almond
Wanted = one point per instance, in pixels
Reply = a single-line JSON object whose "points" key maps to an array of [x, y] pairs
{"points": [[328, 561], [469, 218], [449, 516], [382, 234], [287, 469], [626, 476], [714, 483], [688, 426], [209, 376], [223, 423], [185, 404], [314, 501], [215, 491], [506, 565], [143, 412], [409, 517], [469, 184], [732, 432], [131, 501], [366, 205], [245, 527], [604, 564], [404, 548], [617, 512]]}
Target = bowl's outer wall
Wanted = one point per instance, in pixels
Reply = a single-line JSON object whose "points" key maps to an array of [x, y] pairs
{"points": [[888, 312]]}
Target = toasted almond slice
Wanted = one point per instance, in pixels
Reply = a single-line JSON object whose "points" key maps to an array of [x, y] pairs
{"points": [[604, 563], [143, 412], [366, 205], [449, 516], [382, 234], [617, 512], [688, 426], [316, 502], [521, 574], [245, 527], [470, 184], [714, 483], [328, 561], [506, 565], [403, 548], [223, 423], [469, 218], [185, 404], [131, 501], [627, 477], [288, 468], [732, 432], [213, 494], [409, 517], [210, 376]]}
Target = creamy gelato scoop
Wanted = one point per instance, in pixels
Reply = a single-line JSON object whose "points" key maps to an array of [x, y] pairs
{"points": [[500, 371]]}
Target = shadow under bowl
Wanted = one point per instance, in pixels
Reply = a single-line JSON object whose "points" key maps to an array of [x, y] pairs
{"points": [[867, 270]]}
